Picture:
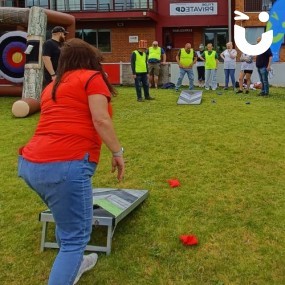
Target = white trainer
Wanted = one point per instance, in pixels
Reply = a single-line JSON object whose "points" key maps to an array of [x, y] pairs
{"points": [[87, 263]]}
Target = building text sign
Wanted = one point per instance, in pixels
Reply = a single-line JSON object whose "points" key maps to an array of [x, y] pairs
{"points": [[133, 39], [186, 9], [182, 30]]}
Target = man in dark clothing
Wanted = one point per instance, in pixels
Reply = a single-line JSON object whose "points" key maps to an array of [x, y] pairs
{"points": [[140, 71], [263, 63], [51, 53]]}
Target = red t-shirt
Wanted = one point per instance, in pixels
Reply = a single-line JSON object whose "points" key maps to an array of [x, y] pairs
{"points": [[65, 130]]}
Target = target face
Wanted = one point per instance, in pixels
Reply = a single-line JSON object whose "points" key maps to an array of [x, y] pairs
{"points": [[13, 58]]}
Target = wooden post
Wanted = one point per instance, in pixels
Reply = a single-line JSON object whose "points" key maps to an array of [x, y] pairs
{"points": [[33, 74]]}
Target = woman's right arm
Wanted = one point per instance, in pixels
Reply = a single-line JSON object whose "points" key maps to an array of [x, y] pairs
{"points": [[98, 105]]}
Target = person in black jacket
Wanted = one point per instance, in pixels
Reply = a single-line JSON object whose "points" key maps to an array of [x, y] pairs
{"points": [[51, 53], [140, 71], [263, 64]]}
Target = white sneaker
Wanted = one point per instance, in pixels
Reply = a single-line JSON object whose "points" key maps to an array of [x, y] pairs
{"points": [[87, 263], [207, 88]]}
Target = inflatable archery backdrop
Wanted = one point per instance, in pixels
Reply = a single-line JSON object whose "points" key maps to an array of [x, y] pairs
{"points": [[13, 58], [277, 24]]}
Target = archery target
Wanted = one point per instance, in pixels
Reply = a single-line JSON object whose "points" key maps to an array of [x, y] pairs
{"points": [[13, 58]]}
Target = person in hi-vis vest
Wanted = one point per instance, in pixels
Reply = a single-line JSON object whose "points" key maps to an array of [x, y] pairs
{"points": [[210, 57], [185, 58], [155, 53], [140, 71]]}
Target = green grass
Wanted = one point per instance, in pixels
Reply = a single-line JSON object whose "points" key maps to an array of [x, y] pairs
{"points": [[229, 158]]}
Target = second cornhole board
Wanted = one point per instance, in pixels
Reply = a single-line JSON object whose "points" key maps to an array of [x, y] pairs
{"points": [[190, 97]]}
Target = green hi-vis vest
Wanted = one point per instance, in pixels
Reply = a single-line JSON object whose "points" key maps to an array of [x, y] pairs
{"points": [[154, 53], [186, 58], [140, 66], [210, 60]]}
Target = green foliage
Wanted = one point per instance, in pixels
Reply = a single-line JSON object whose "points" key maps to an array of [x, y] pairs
{"points": [[229, 158]]}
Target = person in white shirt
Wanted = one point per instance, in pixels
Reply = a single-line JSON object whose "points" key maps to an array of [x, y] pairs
{"points": [[246, 69], [229, 56], [200, 64]]}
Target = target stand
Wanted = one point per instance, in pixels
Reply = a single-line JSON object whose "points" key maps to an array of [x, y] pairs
{"points": [[110, 206], [190, 97]]}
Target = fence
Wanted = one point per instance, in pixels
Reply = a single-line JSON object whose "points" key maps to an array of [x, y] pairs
{"points": [[120, 74]]}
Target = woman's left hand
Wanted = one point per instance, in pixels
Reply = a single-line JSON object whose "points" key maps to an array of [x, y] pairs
{"points": [[118, 163]]}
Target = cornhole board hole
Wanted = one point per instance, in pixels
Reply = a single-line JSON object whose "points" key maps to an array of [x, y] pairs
{"points": [[190, 97], [110, 206]]}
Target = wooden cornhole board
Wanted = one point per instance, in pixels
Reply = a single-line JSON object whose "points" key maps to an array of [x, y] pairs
{"points": [[110, 206]]}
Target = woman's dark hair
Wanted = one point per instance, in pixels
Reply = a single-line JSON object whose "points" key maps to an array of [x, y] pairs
{"points": [[76, 54]]}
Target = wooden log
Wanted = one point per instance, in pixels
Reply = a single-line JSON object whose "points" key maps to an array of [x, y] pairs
{"points": [[25, 107], [14, 16]]}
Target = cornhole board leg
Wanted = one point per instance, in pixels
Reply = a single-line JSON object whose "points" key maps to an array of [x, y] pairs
{"points": [[44, 234], [106, 248], [46, 218], [110, 207]]}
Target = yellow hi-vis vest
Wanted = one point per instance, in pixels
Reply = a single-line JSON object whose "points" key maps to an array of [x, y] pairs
{"points": [[140, 66], [210, 60], [154, 53], [186, 58]]}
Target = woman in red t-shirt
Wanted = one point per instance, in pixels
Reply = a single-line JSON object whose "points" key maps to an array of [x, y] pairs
{"points": [[61, 157]]}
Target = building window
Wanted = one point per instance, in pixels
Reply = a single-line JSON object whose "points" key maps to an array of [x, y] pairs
{"points": [[95, 5], [218, 37], [258, 5], [251, 34], [98, 38], [105, 5], [89, 5], [63, 5], [6, 3], [39, 3]]}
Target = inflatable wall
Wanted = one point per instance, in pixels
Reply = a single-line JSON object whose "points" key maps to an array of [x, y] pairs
{"points": [[277, 24], [21, 68]]}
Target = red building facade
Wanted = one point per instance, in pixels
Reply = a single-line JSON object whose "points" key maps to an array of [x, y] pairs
{"points": [[172, 23], [195, 22], [116, 26]]}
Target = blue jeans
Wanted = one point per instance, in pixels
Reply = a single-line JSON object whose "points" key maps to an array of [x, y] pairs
{"points": [[66, 189], [230, 73], [141, 80], [263, 75], [190, 74]]}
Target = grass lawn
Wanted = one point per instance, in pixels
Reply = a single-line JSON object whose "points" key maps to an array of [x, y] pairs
{"points": [[229, 157]]}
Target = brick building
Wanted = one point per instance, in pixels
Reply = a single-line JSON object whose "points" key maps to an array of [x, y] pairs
{"points": [[116, 26], [173, 23]]}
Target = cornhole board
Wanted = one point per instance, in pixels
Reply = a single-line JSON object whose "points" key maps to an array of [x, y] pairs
{"points": [[110, 206], [190, 97]]}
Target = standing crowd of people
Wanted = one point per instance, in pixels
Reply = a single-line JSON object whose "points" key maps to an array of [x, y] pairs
{"points": [[207, 59], [146, 65]]}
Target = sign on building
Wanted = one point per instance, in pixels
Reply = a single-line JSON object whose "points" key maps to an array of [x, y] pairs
{"points": [[133, 39], [186, 9]]}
